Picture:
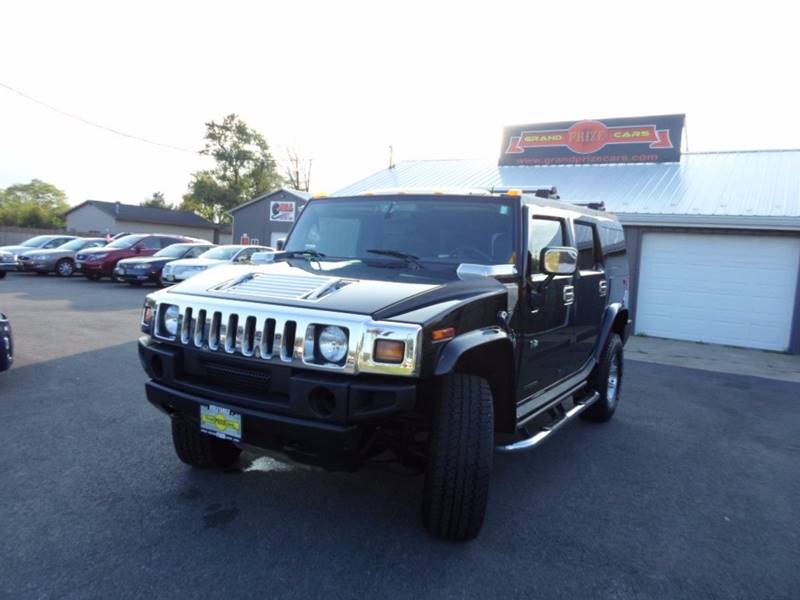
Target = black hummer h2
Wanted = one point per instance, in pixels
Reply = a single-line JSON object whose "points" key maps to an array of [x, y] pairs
{"points": [[435, 327]]}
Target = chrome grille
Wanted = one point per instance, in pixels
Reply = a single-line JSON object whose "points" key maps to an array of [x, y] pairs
{"points": [[282, 334]]}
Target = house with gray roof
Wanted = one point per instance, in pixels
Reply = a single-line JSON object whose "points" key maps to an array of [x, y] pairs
{"points": [[268, 218], [98, 217]]}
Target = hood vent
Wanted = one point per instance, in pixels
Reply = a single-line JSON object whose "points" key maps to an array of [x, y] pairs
{"points": [[289, 287]]}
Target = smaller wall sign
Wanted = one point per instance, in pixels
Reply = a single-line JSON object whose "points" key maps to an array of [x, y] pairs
{"points": [[280, 210]]}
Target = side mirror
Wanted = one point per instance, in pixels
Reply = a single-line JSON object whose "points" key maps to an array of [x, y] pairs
{"points": [[280, 245], [559, 260]]}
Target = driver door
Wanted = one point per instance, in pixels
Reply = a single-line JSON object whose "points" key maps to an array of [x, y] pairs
{"points": [[547, 306]]}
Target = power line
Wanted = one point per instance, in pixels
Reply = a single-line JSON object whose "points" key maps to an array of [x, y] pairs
{"points": [[93, 124]]}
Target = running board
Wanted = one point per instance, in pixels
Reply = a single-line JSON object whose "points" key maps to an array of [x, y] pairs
{"points": [[545, 432]]}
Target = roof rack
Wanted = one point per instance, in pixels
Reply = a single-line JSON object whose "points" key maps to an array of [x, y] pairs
{"points": [[550, 193]]}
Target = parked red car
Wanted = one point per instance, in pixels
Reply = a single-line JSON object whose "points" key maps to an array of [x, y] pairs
{"points": [[100, 262]]}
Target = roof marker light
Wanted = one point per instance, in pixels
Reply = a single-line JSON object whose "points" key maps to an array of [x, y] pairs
{"points": [[514, 192]]}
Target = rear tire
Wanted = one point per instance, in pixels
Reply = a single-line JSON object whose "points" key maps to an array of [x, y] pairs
{"points": [[460, 462], [65, 268], [606, 379], [2, 274], [200, 450], [92, 277]]}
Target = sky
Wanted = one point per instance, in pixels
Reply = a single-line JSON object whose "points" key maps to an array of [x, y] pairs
{"points": [[342, 81]]}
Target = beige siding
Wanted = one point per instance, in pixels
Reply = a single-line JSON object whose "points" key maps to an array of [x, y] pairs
{"points": [[89, 218]]}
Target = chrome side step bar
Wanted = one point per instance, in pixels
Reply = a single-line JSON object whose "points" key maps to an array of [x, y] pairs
{"points": [[545, 432]]}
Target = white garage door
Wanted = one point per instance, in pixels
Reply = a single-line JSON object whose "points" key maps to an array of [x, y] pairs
{"points": [[724, 289]]}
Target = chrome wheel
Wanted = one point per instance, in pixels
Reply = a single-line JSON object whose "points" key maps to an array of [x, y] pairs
{"points": [[612, 386], [65, 268]]}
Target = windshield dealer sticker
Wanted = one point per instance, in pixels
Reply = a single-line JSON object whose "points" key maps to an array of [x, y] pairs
{"points": [[281, 211]]}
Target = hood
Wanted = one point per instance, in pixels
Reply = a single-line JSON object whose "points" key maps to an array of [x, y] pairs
{"points": [[197, 262], [48, 252], [146, 260], [289, 285], [19, 249], [99, 250]]}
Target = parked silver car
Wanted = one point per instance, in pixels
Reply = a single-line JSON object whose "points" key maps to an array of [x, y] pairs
{"points": [[60, 261], [178, 270], [39, 242], [8, 262]]}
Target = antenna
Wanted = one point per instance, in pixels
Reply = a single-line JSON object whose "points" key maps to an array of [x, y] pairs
{"points": [[391, 156]]}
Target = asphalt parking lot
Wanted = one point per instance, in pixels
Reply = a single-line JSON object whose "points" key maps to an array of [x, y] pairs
{"points": [[691, 491]]}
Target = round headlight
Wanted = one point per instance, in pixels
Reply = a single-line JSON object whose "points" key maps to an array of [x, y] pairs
{"points": [[171, 319], [332, 344]]}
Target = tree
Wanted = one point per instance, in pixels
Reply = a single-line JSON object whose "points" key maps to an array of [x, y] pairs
{"points": [[244, 170], [298, 170], [33, 204], [157, 201]]}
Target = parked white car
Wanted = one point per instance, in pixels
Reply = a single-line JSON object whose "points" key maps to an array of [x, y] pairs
{"points": [[180, 270]]}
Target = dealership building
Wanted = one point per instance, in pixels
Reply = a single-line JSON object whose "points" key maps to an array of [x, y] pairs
{"points": [[713, 237], [268, 218]]}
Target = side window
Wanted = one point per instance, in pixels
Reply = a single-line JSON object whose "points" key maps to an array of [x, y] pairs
{"points": [[151, 243], [197, 251], [587, 247], [543, 233], [244, 255], [612, 239], [165, 241], [54, 243]]}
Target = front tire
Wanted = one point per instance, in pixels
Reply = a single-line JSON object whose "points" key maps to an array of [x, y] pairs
{"points": [[460, 462], [2, 274], [201, 450], [606, 379], [65, 268]]}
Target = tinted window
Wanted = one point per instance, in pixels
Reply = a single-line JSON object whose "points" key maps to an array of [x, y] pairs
{"points": [[169, 241], [151, 243], [222, 252], [197, 251], [585, 242], [125, 242], [446, 231], [543, 234], [612, 239], [55, 243]]}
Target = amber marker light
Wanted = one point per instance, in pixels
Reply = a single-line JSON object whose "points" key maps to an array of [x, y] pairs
{"points": [[389, 351], [514, 192], [440, 335]]}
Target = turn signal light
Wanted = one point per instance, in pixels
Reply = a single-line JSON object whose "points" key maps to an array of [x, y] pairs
{"points": [[389, 351], [440, 335]]}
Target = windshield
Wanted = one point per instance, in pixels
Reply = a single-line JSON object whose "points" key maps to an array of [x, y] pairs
{"points": [[174, 251], [125, 242], [36, 242], [75, 244], [426, 229], [221, 252]]}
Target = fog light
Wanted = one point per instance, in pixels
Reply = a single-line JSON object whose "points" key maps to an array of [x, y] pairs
{"points": [[389, 351]]}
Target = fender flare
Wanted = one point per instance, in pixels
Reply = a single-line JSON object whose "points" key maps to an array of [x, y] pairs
{"points": [[462, 344], [609, 317]]}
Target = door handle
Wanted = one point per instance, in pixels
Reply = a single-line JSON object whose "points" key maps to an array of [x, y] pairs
{"points": [[603, 288], [569, 294]]}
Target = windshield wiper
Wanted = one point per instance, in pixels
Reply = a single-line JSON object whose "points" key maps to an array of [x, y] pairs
{"points": [[307, 254], [410, 259]]}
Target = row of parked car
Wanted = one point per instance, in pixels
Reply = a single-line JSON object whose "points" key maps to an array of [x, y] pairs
{"points": [[132, 258]]}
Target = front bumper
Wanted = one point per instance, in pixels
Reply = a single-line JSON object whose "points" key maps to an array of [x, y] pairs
{"points": [[6, 345], [93, 268], [41, 266], [281, 407], [135, 275], [9, 266]]}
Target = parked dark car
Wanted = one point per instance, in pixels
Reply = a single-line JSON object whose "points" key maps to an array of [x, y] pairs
{"points": [[6, 344], [60, 261], [137, 271], [100, 262], [435, 328]]}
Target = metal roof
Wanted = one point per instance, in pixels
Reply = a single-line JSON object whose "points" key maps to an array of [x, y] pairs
{"points": [[752, 189], [147, 214]]}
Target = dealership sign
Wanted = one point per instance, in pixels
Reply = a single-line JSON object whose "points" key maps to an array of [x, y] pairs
{"points": [[638, 139], [281, 211]]}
